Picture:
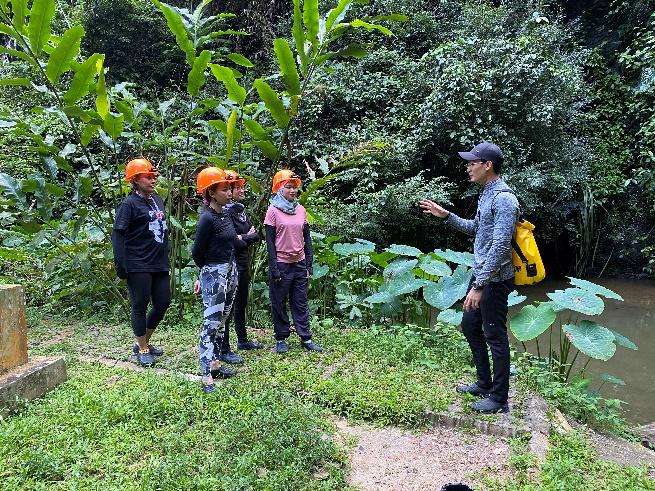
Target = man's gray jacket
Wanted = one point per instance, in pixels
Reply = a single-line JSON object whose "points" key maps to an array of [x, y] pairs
{"points": [[493, 227]]}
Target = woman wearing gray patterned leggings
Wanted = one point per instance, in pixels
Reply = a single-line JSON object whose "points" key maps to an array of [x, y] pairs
{"points": [[213, 253]]}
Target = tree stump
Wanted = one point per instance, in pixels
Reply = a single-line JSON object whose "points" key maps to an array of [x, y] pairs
{"points": [[13, 330]]}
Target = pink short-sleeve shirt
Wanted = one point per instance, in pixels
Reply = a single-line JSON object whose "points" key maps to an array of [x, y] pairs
{"points": [[289, 239]]}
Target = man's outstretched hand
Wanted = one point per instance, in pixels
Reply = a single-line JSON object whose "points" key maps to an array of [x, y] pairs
{"points": [[432, 208]]}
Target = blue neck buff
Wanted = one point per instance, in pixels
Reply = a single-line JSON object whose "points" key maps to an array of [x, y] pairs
{"points": [[283, 204]]}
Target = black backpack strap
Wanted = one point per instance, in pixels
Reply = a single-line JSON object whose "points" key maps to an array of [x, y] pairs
{"points": [[518, 251]]}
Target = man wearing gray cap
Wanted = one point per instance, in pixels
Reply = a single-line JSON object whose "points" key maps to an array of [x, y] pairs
{"points": [[485, 305]]}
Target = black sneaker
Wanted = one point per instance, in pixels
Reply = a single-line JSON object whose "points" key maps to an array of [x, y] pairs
{"points": [[249, 345], [281, 347], [474, 389], [223, 372], [145, 358], [153, 351], [489, 406], [310, 345], [208, 388], [231, 358]]}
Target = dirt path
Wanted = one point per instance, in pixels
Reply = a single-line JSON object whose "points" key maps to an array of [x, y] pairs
{"points": [[391, 459]]}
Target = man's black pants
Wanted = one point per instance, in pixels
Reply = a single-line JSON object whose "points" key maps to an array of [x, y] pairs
{"points": [[487, 326]]}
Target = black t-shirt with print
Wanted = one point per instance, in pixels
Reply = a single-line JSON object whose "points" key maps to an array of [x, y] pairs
{"points": [[143, 224]]}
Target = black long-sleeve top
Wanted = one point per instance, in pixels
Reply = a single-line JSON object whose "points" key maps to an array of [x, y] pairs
{"points": [[242, 225], [215, 236]]}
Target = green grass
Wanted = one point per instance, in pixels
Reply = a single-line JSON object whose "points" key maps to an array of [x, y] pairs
{"points": [[387, 376], [570, 465], [118, 429]]}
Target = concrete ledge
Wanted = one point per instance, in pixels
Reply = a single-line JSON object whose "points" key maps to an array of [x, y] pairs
{"points": [[30, 381], [448, 420]]}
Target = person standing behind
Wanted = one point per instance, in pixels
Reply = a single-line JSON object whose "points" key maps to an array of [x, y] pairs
{"points": [[246, 236], [213, 253], [485, 305], [140, 244], [290, 261]]}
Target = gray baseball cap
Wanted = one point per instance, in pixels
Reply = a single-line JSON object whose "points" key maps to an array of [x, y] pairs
{"points": [[483, 151]]}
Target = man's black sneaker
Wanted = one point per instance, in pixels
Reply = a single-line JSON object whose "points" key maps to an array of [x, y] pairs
{"points": [[489, 406], [474, 389], [310, 345], [281, 347], [248, 345], [222, 372], [153, 351], [231, 358], [145, 358]]}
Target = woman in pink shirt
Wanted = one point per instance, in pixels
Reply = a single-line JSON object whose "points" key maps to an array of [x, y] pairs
{"points": [[290, 261]]}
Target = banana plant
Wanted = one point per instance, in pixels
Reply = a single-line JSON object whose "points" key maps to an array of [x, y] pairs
{"points": [[587, 337]]}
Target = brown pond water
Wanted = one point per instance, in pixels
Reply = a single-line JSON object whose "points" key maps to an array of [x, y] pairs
{"points": [[635, 319]]}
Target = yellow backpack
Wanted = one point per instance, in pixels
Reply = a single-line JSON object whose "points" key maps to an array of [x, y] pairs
{"points": [[528, 266]]}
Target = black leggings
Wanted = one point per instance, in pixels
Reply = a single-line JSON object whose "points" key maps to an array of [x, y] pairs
{"points": [[144, 287], [238, 312]]}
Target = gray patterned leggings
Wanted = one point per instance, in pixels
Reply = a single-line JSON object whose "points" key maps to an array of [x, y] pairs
{"points": [[219, 286]]}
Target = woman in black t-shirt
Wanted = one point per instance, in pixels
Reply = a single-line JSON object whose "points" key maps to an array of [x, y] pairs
{"points": [[140, 242], [213, 253]]}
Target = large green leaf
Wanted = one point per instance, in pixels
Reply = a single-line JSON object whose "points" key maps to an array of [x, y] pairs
{"points": [[514, 298], [240, 60], [84, 75], [353, 50], [594, 288], [465, 258], [369, 26], [461, 278], [531, 321], [39, 28], [102, 98], [12, 190], [352, 249], [90, 130], [231, 126], [196, 78], [404, 250], [311, 20], [337, 14], [382, 296], [405, 283], [15, 82], [451, 316], [268, 149], [578, 300], [591, 339], [434, 266], [178, 28], [399, 267], [442, 294], [19, 54], [320, 270], [287, 66], [64, 54], [225, 75], [19, 10], [113, 125], [299, 35], [256, 130], [621, 340], [272, 102]]}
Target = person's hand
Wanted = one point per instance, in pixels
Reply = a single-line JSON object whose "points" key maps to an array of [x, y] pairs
{"points": [[309, 274], [472, 300], [240, 237], [432, 208], [252, 230], [196, 287]]}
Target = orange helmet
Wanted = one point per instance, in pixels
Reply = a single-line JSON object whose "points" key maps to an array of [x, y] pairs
{"points": [[210, 176], [234, 177], [138, 166], [283, 176]]}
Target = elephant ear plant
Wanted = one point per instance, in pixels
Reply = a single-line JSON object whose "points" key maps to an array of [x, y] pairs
{"points": [[562, 315]]}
